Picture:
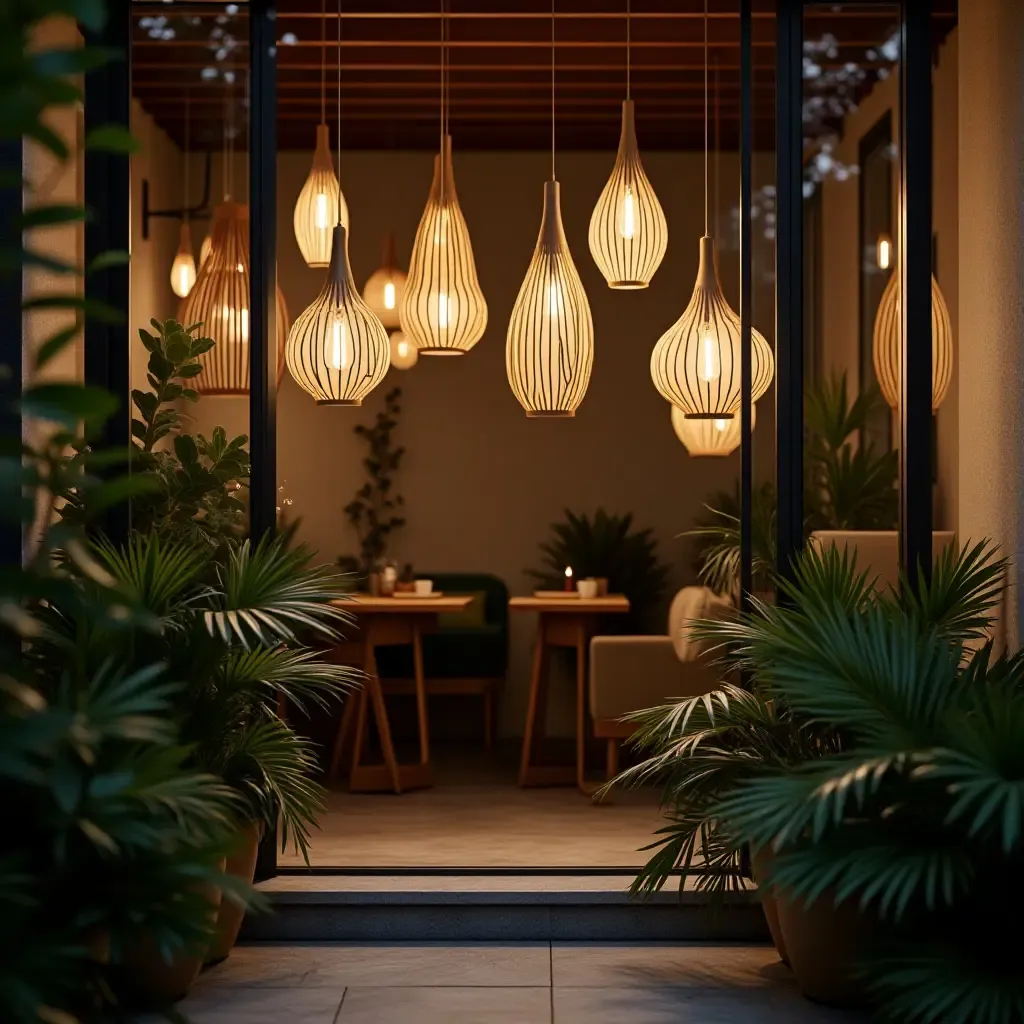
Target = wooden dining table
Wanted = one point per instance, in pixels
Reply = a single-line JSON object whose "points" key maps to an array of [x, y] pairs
{"points": [[568, 621], [402, 619]]}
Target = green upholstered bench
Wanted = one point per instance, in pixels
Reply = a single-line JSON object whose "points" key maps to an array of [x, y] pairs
{"points": [[467, 654]]}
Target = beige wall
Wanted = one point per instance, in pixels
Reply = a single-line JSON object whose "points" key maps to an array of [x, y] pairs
{"points": [[840, 250], [481, 482]]}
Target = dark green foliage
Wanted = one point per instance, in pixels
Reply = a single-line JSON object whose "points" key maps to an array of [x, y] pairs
{"points": [[881, 759], [375, 511], [847, 486], [607, 546]]}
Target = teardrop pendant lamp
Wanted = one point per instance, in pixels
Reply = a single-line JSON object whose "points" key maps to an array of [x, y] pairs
{"points": [[219, 300], [337, 350], [321, 203], [183, 269], [887, 351], [404, 354], [695, 364], [385, 287], [709, 438], [628, 232], [549, 349], [443, 310]]}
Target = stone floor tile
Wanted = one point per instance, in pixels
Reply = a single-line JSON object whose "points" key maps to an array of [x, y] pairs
{"points": [[456, 1005], [233, 1005]]}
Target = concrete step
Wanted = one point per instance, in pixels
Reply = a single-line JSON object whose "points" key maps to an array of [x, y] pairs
{"points": [[447, 907]]}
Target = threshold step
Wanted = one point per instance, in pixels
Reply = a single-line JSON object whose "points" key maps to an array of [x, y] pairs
{"points": [[496, 907]]}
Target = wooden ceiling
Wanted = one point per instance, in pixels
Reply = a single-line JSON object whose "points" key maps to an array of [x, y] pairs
{"points": [[190, 61]]}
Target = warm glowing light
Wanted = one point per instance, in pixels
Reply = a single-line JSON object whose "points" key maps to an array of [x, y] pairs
{"points": [[321, 212], [554, 298], [320, 205], [628, 215], [204, 250], [183, 269], [884, 256], [385, 287], [710, 363], [568, 571], [722, 425], [340, 357], [715, 438], [403, 352], [389, 295], [443, 310]]}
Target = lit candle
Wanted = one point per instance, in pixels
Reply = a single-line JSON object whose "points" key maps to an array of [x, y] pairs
{"points": [[568, 578]]}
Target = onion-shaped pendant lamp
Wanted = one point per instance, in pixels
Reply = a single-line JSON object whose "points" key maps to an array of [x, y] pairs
{"points": [[695, 364], [404, 353], [183, 269], [204, 249], [549, 348], [385, 287], [888, 352], [219, 300], [321, 203], [709, 438], [337, 349], [628, 232]]}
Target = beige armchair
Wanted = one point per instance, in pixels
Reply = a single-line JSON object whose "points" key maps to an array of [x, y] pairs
{"points": [[629, 673], [877, 551]]}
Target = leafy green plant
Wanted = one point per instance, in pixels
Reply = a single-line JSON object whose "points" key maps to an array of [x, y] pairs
{"points": [[374, 512], [897, 781], [848, 485], [606, 546]]}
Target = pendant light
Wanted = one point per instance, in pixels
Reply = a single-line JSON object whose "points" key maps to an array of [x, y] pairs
{"points": [[887, 350], [204, 249], [183, 269], [443, 310], [404, 353], [709, 438], [628, 232], [337, 349], [321, 204], [549, 350], [386, 285], [695, 364]]}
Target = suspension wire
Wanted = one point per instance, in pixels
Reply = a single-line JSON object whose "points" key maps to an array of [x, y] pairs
{"points": [[339, 112], [706, 117], [444, 87], [553, 90], [323, 62], [718, 150], [188, 117], [629, 42]]}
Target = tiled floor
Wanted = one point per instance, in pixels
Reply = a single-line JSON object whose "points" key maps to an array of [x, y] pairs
{"points": [[520, 983]]}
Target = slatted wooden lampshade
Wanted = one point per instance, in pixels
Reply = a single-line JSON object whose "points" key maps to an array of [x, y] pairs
{"points": [[695, 364], [443, 310], [337, 349], [887, 349], [549, 350], [628, 231], [710, 438], [385, 287], [219, 300], [317, 208]]}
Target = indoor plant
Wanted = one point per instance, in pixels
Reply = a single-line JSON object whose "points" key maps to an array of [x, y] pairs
{"points": [[606, 547]]}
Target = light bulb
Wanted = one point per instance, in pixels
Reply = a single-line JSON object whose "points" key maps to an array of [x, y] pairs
{"points": [[628, 228], [321, 211], [721, 425], [403, 348], [340, 355], [554, 298], [404, 352], [389, 295], [710, 367], [884, 255], [443, 310], [183, 269]]}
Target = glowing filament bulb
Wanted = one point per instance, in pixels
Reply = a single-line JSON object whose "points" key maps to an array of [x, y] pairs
{"points": [[554, 298], [628, 215], [443, 310], [389, 295], [721, 425], [341, 347], [320, 213], [710, 367], [884, 252], [403, 348]]}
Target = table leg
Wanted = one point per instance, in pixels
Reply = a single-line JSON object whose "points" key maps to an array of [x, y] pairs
{"points": [[421, 693], [344, 728], [532, 706], [581, 707]]}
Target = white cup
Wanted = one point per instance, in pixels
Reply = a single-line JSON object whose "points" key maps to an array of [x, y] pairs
{"points": [[423, 587], [586, 588]]}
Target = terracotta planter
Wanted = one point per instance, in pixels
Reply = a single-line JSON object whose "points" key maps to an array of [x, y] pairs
{"points": [[240, 864], [760, 862], [158, 982], [823, 943]]}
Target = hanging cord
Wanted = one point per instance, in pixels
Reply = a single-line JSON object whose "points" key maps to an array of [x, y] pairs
{"points": [[188, 113], [323, 62], [553, 90], [225, 158], [629, 43], [718, 148], [705, 117], [339, 111], [444, 88]]}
